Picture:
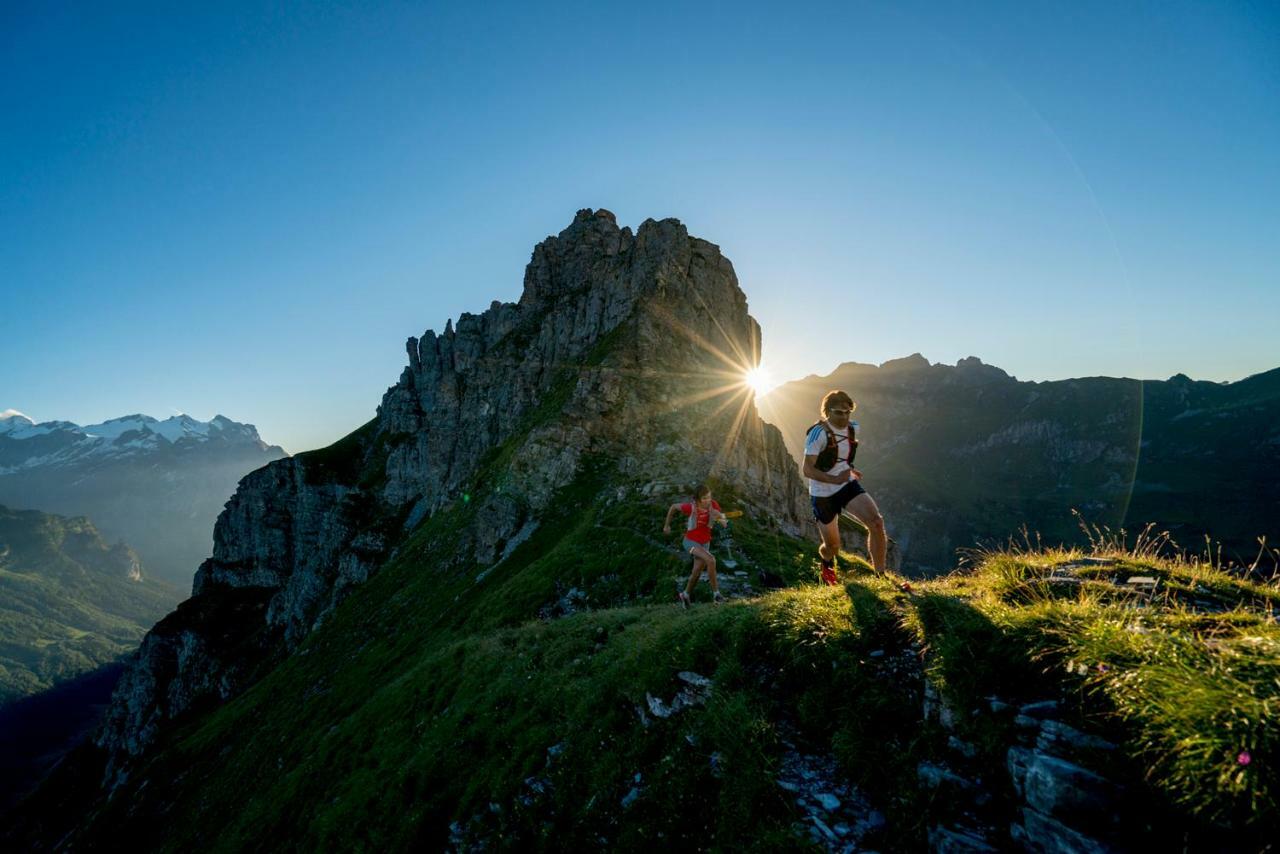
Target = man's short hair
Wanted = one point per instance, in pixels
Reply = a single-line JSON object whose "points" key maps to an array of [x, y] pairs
{"points": [[835, 398]]}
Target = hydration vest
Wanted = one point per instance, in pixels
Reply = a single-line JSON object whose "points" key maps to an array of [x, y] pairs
{"points": [[831, 453], [693, 516]]}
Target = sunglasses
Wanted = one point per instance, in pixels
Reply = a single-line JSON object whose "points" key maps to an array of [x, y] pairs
{"points": [[839, 411]]}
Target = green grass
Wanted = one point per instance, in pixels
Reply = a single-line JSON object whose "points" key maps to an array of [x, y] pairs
{"points": [[65, 607], [430, 695], [1190, 679], [432, 699]]}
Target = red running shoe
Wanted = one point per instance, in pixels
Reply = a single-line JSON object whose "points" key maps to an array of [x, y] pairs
{"points": [[829, 575]]}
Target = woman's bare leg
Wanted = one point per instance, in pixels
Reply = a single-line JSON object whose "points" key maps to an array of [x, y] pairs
{"points": [[701, 558], [693, 576]]}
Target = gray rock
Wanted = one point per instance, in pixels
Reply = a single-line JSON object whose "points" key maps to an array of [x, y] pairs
{"points": [[954, 840], [696, 680], [827, 801], [1066, 792], [937, 707], [1041, 834], [827, 832], [1026, 722], [1067, 742], [934, 776], [657, 707], [1040, 710]]}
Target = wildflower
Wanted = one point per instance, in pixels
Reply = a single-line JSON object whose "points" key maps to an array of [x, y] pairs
{"points": [[1103, 668], [1244, 758]]}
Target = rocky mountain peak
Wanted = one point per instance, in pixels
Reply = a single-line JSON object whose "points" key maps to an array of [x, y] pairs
{"points": [[914, 362], [622, 365], [974, 369], [12, 419], [678, 295]]}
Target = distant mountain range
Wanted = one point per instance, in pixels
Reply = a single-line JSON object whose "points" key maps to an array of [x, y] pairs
{"points": [[159, 485], [962, 454]]}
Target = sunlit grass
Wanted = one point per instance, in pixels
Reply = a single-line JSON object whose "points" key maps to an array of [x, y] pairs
{"points": [[1188, 674]]}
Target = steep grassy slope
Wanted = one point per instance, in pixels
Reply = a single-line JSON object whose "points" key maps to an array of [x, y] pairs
{"points": [[432, 710]]}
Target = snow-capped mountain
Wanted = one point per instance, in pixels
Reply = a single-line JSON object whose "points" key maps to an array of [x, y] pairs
{"points": [[25, 444], [157, 484]]}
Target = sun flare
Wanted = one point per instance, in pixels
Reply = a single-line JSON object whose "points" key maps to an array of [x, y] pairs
{"points": [[759, 380]]}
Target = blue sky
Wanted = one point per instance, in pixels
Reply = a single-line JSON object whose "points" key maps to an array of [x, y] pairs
{"points": [[246, 209]]}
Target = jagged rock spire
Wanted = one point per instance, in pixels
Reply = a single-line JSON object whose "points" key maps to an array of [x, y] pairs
{"points": [[628, 348]]}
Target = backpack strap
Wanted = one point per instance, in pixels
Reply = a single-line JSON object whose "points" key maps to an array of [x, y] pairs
{"points": [[831, 453], [832, 440], [833, 445]]}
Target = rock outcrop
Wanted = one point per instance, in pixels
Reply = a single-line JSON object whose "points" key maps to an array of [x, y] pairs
{"points": [[626, 351]]}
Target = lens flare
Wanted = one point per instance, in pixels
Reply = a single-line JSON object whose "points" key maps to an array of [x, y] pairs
{"points": [[759, 380]]}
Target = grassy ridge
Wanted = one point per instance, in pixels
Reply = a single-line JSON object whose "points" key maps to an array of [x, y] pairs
{"points": [[433, 706], [1188, 678], [429, 695]]}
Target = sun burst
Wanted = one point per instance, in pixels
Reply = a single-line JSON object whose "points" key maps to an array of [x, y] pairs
{"points": [[759, 380]]}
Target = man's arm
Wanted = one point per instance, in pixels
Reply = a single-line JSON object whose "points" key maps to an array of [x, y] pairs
{"points": [[812, 471]]}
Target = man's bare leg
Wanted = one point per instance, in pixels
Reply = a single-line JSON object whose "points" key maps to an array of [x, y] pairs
{"points": [[864, 507], [829, 550]]}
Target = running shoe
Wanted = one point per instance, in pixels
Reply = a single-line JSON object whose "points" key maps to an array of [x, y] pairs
{"points": [[829, 575], [684, 599], [716, 598]]}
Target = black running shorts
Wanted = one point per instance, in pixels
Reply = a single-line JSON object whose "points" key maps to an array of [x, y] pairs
{"points": [[828, 508]]}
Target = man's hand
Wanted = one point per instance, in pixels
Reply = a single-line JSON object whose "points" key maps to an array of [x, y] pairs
{"points": [[854, 474], [666, 529]]}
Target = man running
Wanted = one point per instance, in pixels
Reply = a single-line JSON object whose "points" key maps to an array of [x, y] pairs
{"points": [[835, 484], [700, 516]]}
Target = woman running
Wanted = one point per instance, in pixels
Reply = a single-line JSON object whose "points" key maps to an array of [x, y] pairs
{"points": [[700, 515]]}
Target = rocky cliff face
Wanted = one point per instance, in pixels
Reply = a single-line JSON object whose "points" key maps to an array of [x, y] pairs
{"points": [[625, 351]]}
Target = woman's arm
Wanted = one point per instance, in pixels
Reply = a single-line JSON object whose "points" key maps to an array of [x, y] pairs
{"points": [[671, 511]]}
